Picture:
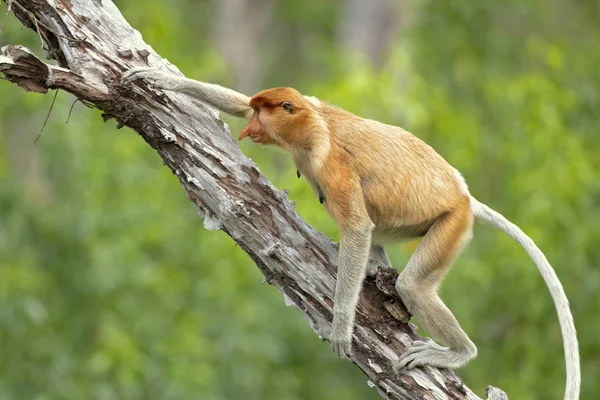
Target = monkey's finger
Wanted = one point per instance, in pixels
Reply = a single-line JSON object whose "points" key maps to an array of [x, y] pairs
{"points": [[130, 76], [135, 74], [342, 349], [335, 349]]}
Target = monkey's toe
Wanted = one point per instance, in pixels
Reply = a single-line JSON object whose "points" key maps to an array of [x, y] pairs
{"points": [[373, 266], [431, 353], [416, 355]]}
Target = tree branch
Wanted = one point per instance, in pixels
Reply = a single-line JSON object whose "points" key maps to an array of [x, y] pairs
{"points": [[94, 45]]}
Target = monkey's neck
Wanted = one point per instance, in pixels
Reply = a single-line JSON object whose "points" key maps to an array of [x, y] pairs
{"points": [[309, 161]]}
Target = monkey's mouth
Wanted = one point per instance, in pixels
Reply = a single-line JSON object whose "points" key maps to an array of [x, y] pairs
{"points": [[256, 139]]}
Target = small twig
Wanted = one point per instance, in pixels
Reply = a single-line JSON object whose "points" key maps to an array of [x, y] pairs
{"points": [[70, 111], [88, 104], [9, 3], [39, 31], [84, 102], [47, 117]]}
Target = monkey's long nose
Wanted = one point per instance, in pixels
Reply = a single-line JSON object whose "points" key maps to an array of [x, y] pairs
{"points": [[256, 136], [245, 132]]}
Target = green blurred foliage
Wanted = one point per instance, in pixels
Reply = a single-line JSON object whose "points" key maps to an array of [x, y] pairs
{"points": [[110, 288]]}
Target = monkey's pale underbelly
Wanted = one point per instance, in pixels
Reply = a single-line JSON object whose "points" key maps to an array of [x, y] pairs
{"points": [[384, 235]]}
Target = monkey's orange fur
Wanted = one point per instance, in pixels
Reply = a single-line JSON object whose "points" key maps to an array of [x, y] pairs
{"points": [[381, 184], [367, 171]]}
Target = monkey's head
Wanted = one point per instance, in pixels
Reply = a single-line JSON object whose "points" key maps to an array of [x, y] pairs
{"points": [[281, 117]]}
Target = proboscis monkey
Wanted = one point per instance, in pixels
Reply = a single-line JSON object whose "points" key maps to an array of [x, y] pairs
{"points": [[381, 184]]}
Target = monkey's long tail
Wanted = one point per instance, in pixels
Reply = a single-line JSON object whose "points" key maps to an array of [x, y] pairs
{"points": [[483, 213]]}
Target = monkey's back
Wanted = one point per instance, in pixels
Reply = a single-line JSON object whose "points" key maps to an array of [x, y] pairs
{"points": [[406, 184]]}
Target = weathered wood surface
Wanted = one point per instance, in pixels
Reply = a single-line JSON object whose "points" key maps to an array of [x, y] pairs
{"points": [[94, 45]]}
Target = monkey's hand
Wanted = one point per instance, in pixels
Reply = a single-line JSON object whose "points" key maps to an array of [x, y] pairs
{"points": [[340, 337], [155, 77]]}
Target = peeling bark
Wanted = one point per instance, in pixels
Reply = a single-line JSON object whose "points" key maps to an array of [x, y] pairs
{"points": [[94, 45]]}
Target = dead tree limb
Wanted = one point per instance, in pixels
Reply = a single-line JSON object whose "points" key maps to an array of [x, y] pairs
{"points": [[94, 45]]}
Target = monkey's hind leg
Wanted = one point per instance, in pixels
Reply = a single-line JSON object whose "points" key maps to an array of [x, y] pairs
{"points": [[377, 258], [417, 286]]}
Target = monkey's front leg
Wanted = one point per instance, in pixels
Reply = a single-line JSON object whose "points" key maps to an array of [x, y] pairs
{"points": [[354, 253], [224, 99]]}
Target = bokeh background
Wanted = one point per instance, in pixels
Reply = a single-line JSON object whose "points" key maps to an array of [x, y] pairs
{"points": [[110, 288]]}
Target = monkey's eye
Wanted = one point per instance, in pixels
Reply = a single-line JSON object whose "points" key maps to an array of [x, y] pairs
{"points": [[287, 106]]}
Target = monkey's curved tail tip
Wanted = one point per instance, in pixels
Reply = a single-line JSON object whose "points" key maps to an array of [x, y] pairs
{"points": [[483, 213]]}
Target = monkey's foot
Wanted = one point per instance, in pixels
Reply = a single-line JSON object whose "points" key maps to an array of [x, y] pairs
{"points": [[374, 265], [431, 353]]}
